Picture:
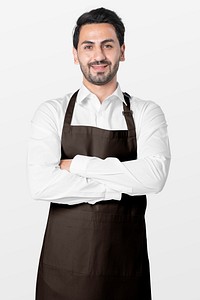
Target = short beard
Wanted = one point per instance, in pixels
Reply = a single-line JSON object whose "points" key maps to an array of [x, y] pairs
{"points": [[101, 79]]}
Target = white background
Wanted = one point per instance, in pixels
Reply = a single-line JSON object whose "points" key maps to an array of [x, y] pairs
{"points": [[162, 64]]}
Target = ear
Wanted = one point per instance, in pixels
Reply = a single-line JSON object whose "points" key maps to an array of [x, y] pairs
{"points": [[76, 61], [122, 56]]}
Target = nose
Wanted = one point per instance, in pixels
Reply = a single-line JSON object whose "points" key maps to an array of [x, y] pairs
{"points": [[99, 54]]}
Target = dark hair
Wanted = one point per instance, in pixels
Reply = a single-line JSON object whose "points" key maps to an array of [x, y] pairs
{"points": [[97, 16]]}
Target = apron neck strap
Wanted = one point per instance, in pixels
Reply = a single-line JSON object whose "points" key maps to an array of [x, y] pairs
{"points": [[70, 109], [128, 113]]}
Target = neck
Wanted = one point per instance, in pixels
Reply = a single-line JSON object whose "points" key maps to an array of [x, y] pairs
{"points": [[101, 91]]}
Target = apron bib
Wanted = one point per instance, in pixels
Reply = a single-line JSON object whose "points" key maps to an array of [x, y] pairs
{"points": [[96, 252]]}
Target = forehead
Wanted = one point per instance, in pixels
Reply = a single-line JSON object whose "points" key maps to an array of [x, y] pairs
{"points": [[97, 32]]}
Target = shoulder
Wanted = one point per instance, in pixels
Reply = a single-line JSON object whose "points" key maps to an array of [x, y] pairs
{"points": [[52, 108], [145, 107], [147, 113], [142, 104], [50, 113]]}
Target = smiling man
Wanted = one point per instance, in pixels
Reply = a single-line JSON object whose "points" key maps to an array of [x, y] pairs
{"points": [[94, 155]]}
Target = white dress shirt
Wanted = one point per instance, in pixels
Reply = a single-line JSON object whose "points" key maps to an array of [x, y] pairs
{"points": [[92, 179]]}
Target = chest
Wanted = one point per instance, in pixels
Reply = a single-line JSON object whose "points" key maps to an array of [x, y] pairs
{"points": [[106, 116]]}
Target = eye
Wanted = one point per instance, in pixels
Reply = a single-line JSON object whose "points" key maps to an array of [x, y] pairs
{"points": [[108, 46], [88, 47]]}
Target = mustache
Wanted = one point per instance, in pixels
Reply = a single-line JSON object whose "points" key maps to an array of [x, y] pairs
{"points": [[99, 62]]}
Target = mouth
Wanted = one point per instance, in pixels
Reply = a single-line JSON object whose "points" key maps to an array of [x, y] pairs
{"points": [[99, 68]]}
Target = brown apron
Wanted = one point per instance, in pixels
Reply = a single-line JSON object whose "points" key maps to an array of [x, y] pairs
{"points": [[96, 252]]}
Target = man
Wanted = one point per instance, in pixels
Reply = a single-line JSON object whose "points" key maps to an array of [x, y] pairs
{"points": [[95, 154]]}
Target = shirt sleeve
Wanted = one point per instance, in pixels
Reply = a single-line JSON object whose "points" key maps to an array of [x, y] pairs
{"points": [[46, 180], [145, 175]]}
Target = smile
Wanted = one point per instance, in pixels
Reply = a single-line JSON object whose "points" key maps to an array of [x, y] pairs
{"points": [[99, 68]]}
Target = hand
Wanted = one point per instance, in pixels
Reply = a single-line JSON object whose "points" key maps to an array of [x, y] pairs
{"points": [[65, 164]]}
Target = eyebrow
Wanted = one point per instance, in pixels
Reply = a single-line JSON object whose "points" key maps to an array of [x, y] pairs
{"points": [[103, 42]]}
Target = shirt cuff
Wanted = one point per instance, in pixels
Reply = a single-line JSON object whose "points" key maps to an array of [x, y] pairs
{"points": [[79, 165]]}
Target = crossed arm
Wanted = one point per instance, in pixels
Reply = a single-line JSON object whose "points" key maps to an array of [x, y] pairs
{"points": [[91, 179]]}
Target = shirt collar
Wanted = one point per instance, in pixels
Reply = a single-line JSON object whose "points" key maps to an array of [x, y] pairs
{"points": [[84, 93]]}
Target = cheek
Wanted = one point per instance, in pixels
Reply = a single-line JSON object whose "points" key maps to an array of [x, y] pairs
{"points": [[114, 56], [85, 59], [114, 59]]}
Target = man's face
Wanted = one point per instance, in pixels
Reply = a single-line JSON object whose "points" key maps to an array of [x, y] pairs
{"points": [[98, 53]]}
